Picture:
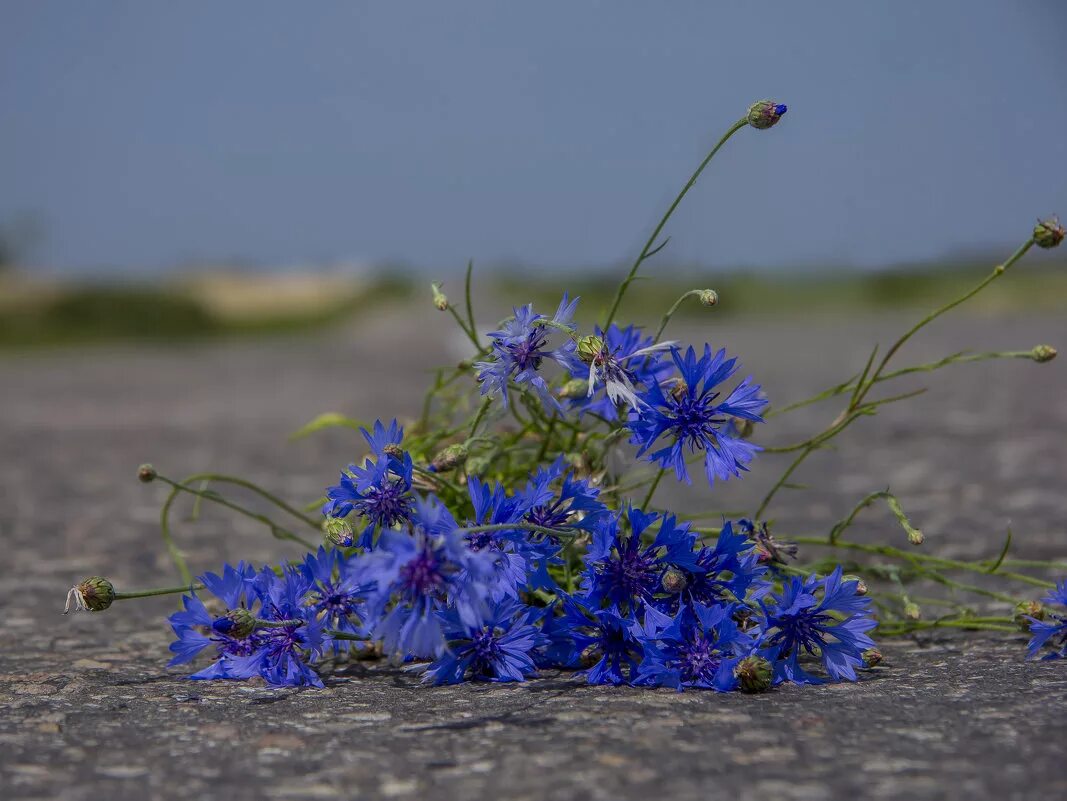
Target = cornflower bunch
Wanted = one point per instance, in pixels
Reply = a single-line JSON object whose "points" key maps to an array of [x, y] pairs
{"points": [[512, 528]]}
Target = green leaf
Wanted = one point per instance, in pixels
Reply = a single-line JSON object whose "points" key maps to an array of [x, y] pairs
{"points": [[328, 420]]}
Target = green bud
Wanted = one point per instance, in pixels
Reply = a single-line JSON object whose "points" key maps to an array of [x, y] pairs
{"points": [[237, 623], [1027, 610], [589, 347], [1043, 353], [872, 657], [95, 594], [146, 473], [590, 656], [450, 458], [478, 463], [393, 450], [575, 388], [679, 389], [764, 114], [744, 427], [912, 610], [754, 674], [861, 585], [338, 531], [440, 299], [709, 297], [674, 580], [1048, 233]]}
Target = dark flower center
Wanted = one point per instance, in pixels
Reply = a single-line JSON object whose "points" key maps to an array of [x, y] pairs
{"points": [[386, 505], [423, 575]]}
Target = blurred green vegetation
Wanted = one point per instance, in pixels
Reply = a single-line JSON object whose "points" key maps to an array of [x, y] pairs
{"points": [[122, 312], [226, 305], [1026, 288]]}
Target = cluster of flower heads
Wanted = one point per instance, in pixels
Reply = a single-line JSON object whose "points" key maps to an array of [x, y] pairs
{"points": [[672, 400], [485, 598]]}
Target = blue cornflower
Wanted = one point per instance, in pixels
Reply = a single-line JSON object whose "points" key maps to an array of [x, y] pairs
{"points": [[575, 504], [521, 346], [708, 575], [194, 626], [278, 654], [1052, 631], [514, 557], [834, 627], [380, 492], [383, 440], [622, 571], [498, 649], [621, 361], [603, 639], [337, 594], [694, 417], [700, 647], [423, 572], [283, 653]]}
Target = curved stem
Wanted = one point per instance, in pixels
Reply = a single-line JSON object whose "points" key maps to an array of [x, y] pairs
{"points": [[670, 312], [647, 250], [998, 271]]}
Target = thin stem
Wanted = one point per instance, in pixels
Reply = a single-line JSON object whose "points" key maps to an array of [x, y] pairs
{"points": [[648, 248], [998, 271], [551, 532], [486, 403], [784, 478], [670, 312], [470, 307], [652, 489], [471, 335], [125, 596]]}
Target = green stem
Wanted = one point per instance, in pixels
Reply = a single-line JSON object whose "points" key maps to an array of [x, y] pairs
{"points": [[652, 489], [178, 488], [998, 271], [486, 403], [470, 306], [125, 596], [647, 250], [670, 312]]}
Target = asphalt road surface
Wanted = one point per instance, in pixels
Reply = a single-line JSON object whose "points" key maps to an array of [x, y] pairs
{"points": [[88, 709]]}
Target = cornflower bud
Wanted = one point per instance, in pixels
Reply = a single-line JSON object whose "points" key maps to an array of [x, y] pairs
{"points": [[589, 347], [912, 610], [744, 427], [861, 585], [339, 532], [1027, 610], [872, 657], [709, 297], [146, 473], [754, 674], [440, 299], [393, 450], [674, 580], [1048, 233], [95, 594], [764, 114], [590, 656], [575, 388], [478, 463], [450, 458], [237, 623], [1043, 353]]}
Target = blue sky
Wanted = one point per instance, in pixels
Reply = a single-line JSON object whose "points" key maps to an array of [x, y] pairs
{"points": [[145, 134]]}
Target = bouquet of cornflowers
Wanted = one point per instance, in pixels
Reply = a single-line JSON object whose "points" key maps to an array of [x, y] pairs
{"points": [[511, 529]]}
